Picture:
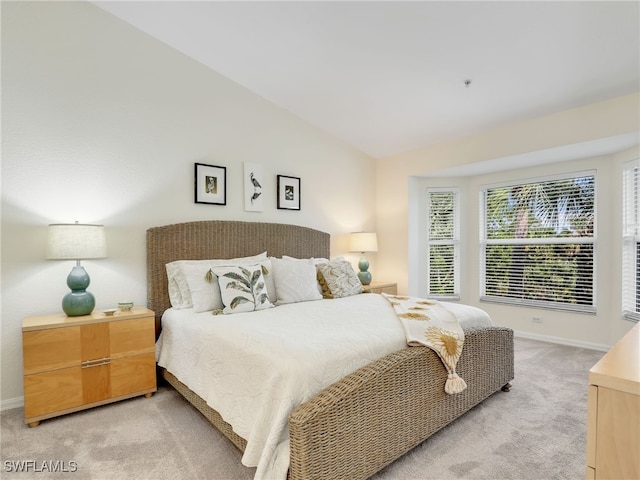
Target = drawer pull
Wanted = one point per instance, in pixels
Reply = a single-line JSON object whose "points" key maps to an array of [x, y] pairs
{"points": [[96, 363]]}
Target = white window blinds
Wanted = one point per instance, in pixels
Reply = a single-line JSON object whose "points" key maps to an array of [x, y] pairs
{"points": [[631, 241], [538, 243], [443, 243]]}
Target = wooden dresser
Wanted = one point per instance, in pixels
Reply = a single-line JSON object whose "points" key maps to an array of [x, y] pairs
{"points": [[73, 363], [613, 436]]}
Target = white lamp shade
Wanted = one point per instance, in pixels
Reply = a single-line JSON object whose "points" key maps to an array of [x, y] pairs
{"points": [[363, 242], [76, 242]]}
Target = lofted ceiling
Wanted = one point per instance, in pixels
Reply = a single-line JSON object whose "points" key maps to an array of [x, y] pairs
{"points": [[390, 77]]}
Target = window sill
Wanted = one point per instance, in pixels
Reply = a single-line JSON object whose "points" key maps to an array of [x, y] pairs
{"points": [[445, 298], [515, 302]]}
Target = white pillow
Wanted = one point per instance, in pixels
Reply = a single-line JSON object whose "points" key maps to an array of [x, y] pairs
{"points": [[180, 293], [243, 288], [175, 293], [295, 280], [316, 262]]}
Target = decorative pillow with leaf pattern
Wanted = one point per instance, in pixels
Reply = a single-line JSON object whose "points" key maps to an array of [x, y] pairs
{"points": [[187, 285], [243, 288], [338, 279]]}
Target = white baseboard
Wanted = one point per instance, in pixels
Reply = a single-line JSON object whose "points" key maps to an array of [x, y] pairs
{"points": [[17, 402], [563, 341]]}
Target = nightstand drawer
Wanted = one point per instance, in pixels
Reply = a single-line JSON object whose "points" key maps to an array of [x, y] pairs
{"points": [[45, 350], [133, 374], [52, 391], [132, 337]]}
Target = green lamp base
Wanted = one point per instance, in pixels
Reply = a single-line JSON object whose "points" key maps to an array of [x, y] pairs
{"points": [[78, 302], [365, 278], [364, 275], [75, 304]]}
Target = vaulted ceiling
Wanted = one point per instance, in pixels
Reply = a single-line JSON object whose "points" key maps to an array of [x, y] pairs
{"points": [[389, 77]]}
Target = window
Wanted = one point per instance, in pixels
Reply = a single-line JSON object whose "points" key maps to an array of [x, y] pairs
{"points": [[538, 243], [443, 243], [631, 241]]}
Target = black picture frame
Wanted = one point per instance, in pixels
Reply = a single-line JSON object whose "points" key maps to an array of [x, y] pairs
{"points": [[288, 193], [210, 184]]}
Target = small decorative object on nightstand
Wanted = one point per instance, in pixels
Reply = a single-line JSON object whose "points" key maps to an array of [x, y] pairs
{"points": [[125, 306], [74, 363], [363, 242], [379, 287]]}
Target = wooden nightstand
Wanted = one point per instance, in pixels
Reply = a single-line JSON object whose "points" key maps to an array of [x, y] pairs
{"points": [[74, 363], [374, 287]]}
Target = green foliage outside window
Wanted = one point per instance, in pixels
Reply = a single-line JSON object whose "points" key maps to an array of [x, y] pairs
{"points": [[539, 241], [441, 278], [441, 245]]}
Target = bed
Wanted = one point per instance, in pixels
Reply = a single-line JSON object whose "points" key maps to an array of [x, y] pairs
{"points": [[362, 422]]}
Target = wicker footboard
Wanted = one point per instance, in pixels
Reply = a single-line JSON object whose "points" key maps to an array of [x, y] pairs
{"points": [[358, 425], [370, 418]]}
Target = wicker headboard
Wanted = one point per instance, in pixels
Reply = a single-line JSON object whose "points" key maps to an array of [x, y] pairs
{"points": [[222, 239]]}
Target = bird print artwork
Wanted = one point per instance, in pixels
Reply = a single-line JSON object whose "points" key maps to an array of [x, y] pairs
{"points": [[255, 182], [256, 187]]}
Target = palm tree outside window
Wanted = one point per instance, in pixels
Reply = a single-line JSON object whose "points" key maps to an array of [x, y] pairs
{"points": [[538, 243]]}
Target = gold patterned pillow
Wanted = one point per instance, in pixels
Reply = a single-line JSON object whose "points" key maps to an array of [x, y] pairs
{"points": [[338, 279]]}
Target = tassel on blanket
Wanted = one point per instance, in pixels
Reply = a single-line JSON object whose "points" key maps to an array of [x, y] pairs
{"points": [[454, 384]]}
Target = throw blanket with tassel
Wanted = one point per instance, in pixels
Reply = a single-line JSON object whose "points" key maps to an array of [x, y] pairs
{"points": [[429, 323]]}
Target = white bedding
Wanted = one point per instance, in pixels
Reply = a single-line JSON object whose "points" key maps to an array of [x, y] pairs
{"points": [[254, 368]]}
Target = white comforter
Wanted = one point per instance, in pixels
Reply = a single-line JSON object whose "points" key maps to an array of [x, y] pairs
{"points": [[255, 368]]}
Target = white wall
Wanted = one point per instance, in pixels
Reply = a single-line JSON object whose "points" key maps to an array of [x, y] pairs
{"points": [[103, 124], [401, 180]]}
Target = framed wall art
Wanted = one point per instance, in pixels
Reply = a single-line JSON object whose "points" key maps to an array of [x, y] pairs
{"points": [[288, 193], [253, 183], [210, 184]]}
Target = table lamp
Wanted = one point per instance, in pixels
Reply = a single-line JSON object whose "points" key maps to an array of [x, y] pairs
{"points": [[77, 242], [363, 242]]}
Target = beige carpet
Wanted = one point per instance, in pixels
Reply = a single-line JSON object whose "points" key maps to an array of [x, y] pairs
{"points": [[537, 431]]}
